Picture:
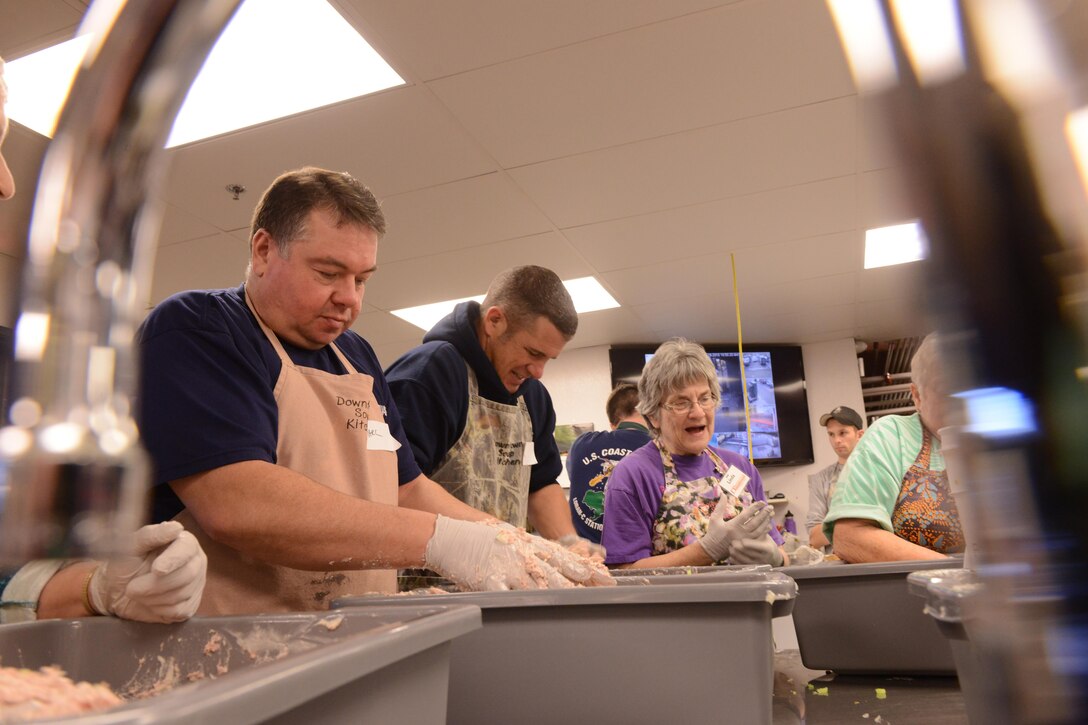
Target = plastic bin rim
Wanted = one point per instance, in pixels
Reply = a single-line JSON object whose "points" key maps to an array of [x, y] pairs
{"points": [[263, 689], [837, 569], [777, 587]]}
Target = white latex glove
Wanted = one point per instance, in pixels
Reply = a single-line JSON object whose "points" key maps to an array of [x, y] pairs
{"points": [[162, 581], [582, 547], [763, 550], [753, 522], [491, 556]]}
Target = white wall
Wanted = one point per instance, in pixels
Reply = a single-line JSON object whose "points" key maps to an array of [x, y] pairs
{"points": [[579, 382]]}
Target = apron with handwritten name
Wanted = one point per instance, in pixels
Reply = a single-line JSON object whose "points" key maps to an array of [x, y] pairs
{"points": [[331, 430], [488, 467]]}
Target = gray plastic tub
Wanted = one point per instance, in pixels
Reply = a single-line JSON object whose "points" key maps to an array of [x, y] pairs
{"points": [[364, 665], [948, 595], [861, 619], [647, 650]]}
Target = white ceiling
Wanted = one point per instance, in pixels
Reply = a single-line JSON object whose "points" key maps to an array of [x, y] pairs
{"points": [[639, 141]]}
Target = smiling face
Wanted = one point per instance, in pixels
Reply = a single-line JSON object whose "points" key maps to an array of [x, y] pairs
{"points": [[519, 354], [843, 438], [314, 294], [686, 433]]}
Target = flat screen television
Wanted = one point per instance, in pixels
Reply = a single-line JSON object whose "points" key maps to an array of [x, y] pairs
{"points": [[777, 401]]}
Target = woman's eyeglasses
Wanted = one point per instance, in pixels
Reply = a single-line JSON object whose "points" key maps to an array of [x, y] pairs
{"points": [[685, 405]]}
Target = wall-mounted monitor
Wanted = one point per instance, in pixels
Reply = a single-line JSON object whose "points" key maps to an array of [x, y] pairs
{"points": [[774, 376]]}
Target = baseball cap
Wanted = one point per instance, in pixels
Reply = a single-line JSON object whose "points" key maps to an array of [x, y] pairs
{"points": [[846, 416]]}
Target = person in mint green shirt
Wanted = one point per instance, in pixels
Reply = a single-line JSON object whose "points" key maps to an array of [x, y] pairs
{"points": [[892, 501]]}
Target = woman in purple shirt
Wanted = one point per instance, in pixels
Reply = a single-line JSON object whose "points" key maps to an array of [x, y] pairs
{"points": [[666, 504]]}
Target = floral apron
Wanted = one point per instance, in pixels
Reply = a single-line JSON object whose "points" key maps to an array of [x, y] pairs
{"points": [[488, 467], [347, 448], [686, 506], [925, 512]]}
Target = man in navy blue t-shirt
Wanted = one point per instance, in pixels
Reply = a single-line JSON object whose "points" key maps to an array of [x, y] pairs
{"points": [[274, 435]]}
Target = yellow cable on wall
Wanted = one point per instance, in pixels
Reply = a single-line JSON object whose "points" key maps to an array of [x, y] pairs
{"points": [[740, 355]]}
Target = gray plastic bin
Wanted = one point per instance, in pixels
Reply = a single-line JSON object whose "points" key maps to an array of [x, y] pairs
{"points": [[861, 619], [948, 595], [646, 650], [364, 665]]}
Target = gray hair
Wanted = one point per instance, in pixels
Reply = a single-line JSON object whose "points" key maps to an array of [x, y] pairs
{"points": [[677, 363], [925, 366]]}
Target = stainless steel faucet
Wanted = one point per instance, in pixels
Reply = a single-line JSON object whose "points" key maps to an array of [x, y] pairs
{"points": [[73, 476]]}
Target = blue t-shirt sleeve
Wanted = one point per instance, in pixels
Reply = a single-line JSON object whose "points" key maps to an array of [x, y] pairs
{"points": [[204, 401], [430, 389]]}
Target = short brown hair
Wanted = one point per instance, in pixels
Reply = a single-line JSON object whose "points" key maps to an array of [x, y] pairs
{"points": [[528, 292], [285, 206], [622, 402]]}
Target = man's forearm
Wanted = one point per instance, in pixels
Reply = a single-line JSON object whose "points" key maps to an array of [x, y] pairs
{"points": [[280, 517], [859, 541], [549, 512], [423, 494]]}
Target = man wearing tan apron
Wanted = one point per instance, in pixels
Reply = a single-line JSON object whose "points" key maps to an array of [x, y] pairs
{"points": [[892, 501], [479, 421], [275, 436]]}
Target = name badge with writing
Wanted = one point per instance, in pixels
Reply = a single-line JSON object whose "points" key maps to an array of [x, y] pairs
{"points": [[528, 455], [734, 481], [379, 437]]}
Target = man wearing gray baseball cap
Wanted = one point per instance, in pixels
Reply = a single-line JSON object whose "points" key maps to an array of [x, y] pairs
{"points": [[844, 430]]}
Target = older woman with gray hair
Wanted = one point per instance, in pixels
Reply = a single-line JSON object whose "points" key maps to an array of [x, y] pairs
{"points": [[892, 501], [678, 501]]}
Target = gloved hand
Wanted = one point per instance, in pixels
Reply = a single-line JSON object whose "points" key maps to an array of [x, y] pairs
{"points": [[492, 556], [762, 550], [753, 522], [582, 547], [162, 581]]}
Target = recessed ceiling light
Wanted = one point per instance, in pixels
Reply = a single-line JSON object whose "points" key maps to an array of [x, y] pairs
{"points": [[898, 244], [275, 58], [586, 292]]}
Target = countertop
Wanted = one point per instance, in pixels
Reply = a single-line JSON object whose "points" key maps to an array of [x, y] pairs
{"points": [[853, 698]]}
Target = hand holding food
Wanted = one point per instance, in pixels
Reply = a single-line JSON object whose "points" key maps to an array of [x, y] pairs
{"points": [[494, 556], [752, 522]]}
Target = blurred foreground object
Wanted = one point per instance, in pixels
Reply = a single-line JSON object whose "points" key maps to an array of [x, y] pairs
{"points": [[73, 475], [982, 103]]}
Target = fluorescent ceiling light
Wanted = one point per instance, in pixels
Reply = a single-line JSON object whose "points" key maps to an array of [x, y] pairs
{"points": [[275, 58], [586, 292], [1076, 132], [931, 31], [864, 37], [896, 244]]}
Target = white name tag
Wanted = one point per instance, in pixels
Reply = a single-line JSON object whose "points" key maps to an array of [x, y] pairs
{"points": [[528, 454], [734, 481], [379, 437]]}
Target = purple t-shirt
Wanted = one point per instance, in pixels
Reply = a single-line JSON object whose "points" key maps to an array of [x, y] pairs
{"points": [[633, 498]]}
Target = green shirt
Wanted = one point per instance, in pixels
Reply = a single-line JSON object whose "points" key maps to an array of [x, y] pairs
{"points": [[873, 475]]}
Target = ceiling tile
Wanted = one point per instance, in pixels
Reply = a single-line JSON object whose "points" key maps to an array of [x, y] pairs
{"points": [[781, 149], [462, 214], [208, 263], [440, 39], [394, 141], [466, 272], [739, 222], [698, 70]]}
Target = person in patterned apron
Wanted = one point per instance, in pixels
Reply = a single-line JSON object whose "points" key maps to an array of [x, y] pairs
{"points": [[892, 501], [478, 418], [275, 437], [665, 504], [162, 580]]}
